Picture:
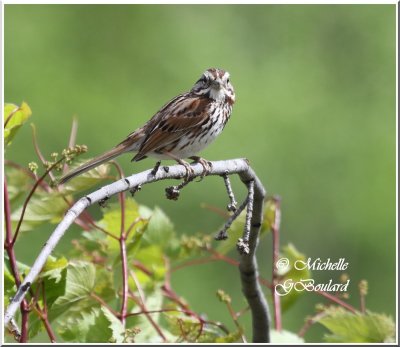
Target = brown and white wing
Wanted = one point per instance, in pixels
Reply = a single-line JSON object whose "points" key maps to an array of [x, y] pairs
{"points": [[177, 119]]}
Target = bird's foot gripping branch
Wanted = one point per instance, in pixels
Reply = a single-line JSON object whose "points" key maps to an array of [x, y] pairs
{"points": [[246, 245]]}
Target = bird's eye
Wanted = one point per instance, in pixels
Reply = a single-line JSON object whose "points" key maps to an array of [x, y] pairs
{"points": [[202, 80], [228, 80]]}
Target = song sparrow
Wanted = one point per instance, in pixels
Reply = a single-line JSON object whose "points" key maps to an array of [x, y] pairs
{"points": [[184, 126]]}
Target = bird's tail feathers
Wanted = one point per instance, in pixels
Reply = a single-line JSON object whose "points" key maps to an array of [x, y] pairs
{"points": [[107, 156]]}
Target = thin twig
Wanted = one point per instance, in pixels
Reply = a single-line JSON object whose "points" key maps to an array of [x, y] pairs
{"points": [[39, 152], [336, 300], [45, 317], [222, 234], [150, 319], [72, 138], [232, 202], [103, 303], [133, 224], [234, 316], [243, 243], [363, 289], [309, 322]]}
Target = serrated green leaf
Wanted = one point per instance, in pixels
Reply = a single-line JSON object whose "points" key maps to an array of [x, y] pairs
{"points": [[54, 267], [48, 207], [285, 337], [351, 327], [15, 116], [74, 326], [160, 230], [87, 179], [106, 328], [104, 287], [80, 282]]}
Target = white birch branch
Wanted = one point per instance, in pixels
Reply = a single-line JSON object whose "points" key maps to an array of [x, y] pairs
{"points": [[248, 262]]}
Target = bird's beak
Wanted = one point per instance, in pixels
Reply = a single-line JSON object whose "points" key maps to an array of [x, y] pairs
{"points": [[217, 84]]}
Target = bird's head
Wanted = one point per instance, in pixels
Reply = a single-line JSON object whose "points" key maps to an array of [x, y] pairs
{"points": [[215, 84]]}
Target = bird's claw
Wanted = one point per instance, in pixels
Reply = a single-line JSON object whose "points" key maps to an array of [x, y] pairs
{"points": [[207, 166]]}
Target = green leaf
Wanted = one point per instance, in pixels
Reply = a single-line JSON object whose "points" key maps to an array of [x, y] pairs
{"points": [[76, 324], [285, 337], [104, 286], [15, 117], [106, 328], [80, 282], [42, 208], [357, 328], [154, 259], [54, 267], [160, 231], [134, 242]]}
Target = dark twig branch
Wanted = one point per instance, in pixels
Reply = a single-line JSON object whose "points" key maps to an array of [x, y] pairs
{"points": [[223, 234], [248, 264]]}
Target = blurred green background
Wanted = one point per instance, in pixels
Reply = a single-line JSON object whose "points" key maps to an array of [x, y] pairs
{"points": [[315, 115]]}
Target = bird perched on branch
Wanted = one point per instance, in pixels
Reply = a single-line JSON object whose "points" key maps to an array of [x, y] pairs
{"points": [[180, 129]]}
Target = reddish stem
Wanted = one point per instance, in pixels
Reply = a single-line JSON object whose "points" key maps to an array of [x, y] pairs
{"points": [[199, 261], [309, 322], [9, 246], [235, 320], [44, 317], [103, 303], [151, 320], [336, 300]]}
